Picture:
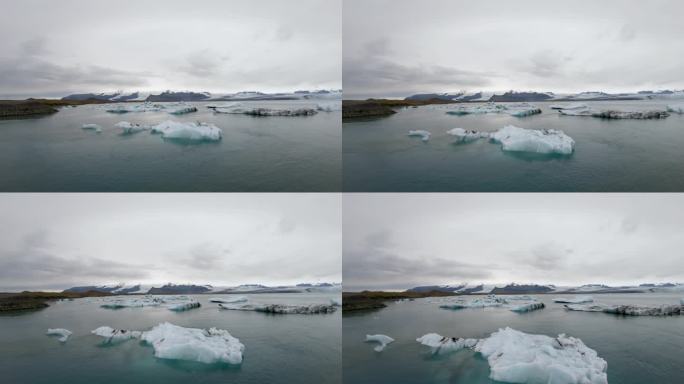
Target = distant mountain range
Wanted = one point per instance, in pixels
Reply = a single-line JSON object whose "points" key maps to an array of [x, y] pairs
{"points": [[175, 96], [190, 289], [515, 289], [513, 96]]}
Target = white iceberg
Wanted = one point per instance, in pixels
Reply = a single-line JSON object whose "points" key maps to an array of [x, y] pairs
{"points": [[112, 335], [92, 127], [146, 301], [61, 332], [478, 109], [489, 301], [573, 300], [676, 108], [527, 307], [517, 357], [235, 299], [630, 310], [188, 131], [183, 110], [466, 136], [129, 128], [204, 346], [441, 344], [173, 342], [382, 339], [522, 110], [615, 114], [135, 107], [259, 111], [183, 306], [282, 308], [544, 141], [424, 135]]}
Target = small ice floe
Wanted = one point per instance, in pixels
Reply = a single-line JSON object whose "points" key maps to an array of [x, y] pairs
{"points": [[112, 335], [518, 357], [178, 343], [466, 136], [569, 106], [522, 110], [130, 128], [234, 299], [201, 345], [262, 112], [630, 310], [676, 108], [183, 110], [424, 135], [183, 306], [61, 332], [92, 127], [527, 307], [441, 344], [282, 308], [545, 141], [573, 300], [188, 131], [382, 339]]}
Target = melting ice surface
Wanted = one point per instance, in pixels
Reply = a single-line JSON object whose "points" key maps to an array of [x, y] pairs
{"points": [[517, 110], [441, 344], [176, 130], [263, 112], [514, 303], [92, 127], [61, 332], [630, 309], [466, 136], [173, 303], [573, 300], [544, 141], [282, 308], [424, 135], [382, 339], [179, 343]]}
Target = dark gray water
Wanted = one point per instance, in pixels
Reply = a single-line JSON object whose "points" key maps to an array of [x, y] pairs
{"points": [[278, 348], [266, 154], [610, 155], [638, 349]]}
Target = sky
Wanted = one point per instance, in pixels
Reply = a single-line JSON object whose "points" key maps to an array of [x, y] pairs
{"points": [[212, 45], [56, 241], [400, 47], [398, 241]]}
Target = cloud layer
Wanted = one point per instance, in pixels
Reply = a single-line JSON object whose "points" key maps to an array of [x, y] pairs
{"points": [[395, 48], [54, 241], [396, 241], [216, 46]]}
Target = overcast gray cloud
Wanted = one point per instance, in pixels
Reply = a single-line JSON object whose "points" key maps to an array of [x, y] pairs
{"points": [[396, 241], [446, 46], [54, 241], [214, 45]]}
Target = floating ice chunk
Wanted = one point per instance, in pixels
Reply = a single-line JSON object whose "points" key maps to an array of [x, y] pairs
{"points": [[676, 108], [129, 128], [630, 310], [527, 307], [489, 301], [517, 357], [576, 112], [477, 110], [112, 335], [92, 127], [282, 308], [424, 135], [183, 306], [147, 301], [573, 300], [204, 346], [441, 344], [569, 106], [235, 299], [466, 136], [631, 115], [188, 131], [130, 107], [522, 110], [267, 111], [61, 332], [183, 110], [546, 141], [382, 339]]}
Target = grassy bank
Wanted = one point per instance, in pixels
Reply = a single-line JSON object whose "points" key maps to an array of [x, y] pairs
{"points": [[24, 301], [369, 300], [37, 107], [381, 107]]}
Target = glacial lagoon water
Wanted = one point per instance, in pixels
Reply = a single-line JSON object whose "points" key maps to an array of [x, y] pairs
{"points": [[638, 349], [278, 348], [256, 154], [610, 155]]}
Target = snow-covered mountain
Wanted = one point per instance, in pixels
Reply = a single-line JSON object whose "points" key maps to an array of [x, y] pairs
{"points": [[185, 289], [529, 96], [176, 96], [514, 288]]}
